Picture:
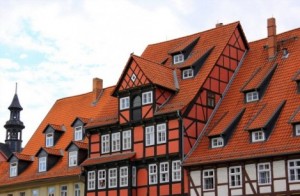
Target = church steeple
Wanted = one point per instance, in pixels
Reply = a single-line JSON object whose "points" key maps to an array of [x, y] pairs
{"points": [[14, 125]]}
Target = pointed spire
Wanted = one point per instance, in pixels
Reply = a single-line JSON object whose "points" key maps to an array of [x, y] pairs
{"points": [[15, 104]]}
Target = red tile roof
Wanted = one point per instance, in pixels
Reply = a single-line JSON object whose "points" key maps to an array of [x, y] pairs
{"points": [[183, 45], [280, 88], [108, 158], [51, 151], [295, 118], [23, 157], [81, 145]]}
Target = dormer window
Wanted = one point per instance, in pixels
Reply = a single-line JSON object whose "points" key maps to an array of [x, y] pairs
{"points": [[73, 158], [211, 99], [78, 133], [13, 169], [187, 73], [252, 96], [42, 164], [258, 136], [124, 103], [178, 58], [49, 140], [297, 129], [147, 97], [217, 142]]}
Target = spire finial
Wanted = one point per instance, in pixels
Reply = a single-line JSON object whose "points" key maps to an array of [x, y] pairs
{"points": [[16, 87]]}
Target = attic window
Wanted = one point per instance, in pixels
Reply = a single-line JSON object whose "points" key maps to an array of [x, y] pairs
{"points": [[217, 142], [285, 53], [73, 158], [252, 96], [178, 58], [133, 77], [13, 169], [187, 73], [78, 133], [49, 139], [42, 164], [258, 136], [297, 129], [298, 86]]}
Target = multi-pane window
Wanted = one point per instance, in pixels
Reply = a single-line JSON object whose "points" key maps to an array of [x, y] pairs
{"points": [[152, 174], [123, 176], [208, 179], [294, 170], [217, 142], [51, 191], [105, 143], [133, 176], [264, 173], [176, 171], [149, 135], [76, 190], [187, 73], [126, 141], [252, 96], [49, 139], [22, 193], [297, 129], [161, 133], [13, 169], [35, 192], [73, 158], [211, 99], [164, 172], [179, 58], [124, 103], [101, 179], [42, 164], [112, 176], [147, 97], [258, 136], [91, 178], [235, 176], [63, 190], [115, 139], [78, 133]]}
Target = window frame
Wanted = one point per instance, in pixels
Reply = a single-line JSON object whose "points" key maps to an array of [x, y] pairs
{"points": [[297, 129], [133, 171], [252, 96], [266, 171], [123, 176], [78, 133], [115, 142], [13, 170], [211, 99], [176, 171], [51, 191], [294, 168], [152, 173], [126, 140], [149, 136], [205, 177], [219, 142], [63, 192], [258, 138], [161, 133], [147, 97], [42, 164], [77, 189], [91, 178], [35, 192], [124, 103], [102, 178], [112, 179], [237, 175], [49, 139], [187, 73], [73, 157], [178, 58], [105, 143], [164, 172]]}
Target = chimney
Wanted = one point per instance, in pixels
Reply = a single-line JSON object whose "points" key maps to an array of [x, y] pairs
{"points": [[272, 42], [219, 24], [97, 87]]}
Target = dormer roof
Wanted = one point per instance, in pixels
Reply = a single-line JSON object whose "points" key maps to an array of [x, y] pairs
{"points": [[57, 128], [51, 151], [22, 157]]}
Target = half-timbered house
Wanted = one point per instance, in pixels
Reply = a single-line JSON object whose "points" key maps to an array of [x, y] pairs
{"points": [[160, 104], [251, 144]]}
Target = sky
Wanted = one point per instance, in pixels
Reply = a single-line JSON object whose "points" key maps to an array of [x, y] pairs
{"points": [[53, 49]]}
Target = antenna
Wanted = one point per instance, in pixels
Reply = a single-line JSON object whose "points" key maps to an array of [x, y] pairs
{"points": [[16, 88]]}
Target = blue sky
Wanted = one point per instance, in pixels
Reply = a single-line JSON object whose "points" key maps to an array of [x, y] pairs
{"points": [[54, 49]]}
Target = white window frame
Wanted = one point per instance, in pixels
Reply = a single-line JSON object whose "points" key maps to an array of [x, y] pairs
{"points": [[295, 168], [133, 77], [35, 192], [51, 191], [133, 176], [64, 192], [258, 136], [112, 178], [297, 129], [42, 164], [208, 174], [115, 141], [124, 103], [105, 143], [73, 158], [217, 142], [164, 172], [49, 139], [102, 179], [252, 96], [149, 133], [123, 176], [77, 189], [161, 133], [152, 170], [91, 178], [147, 98], [235, 176], [13, 170], [176, 171], [78, 133], [126, 140], [178, 58], [264, 173], [187, 73]]}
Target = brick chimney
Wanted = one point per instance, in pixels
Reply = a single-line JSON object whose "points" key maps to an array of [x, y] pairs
{"points": [[219, 24], [272, 42], [97, 87]]}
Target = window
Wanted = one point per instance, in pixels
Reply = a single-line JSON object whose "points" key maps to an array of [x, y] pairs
{"points": [[187, 73], [35, 192], [176, 171], [164, 172], [136, 110], [22, 193], [51, 191], [264, 173], [294, 170], [208, 180], [134, 176], [101, 179], [161, 133], [91, 180], [112, 175], [126, 140], [251, 96], [124, 103], [297, 129], [149, 135], [115, 137], [152, 174], [258, 136], [42, 164], [123, 176], [217, 142], [63, 190], [76, 190], [73, 158], [210, 99], [13, 169], [179, 58], [49, 139], [105, 143], [147, 98], [235, 176], [133, 77], [78, 133]]}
